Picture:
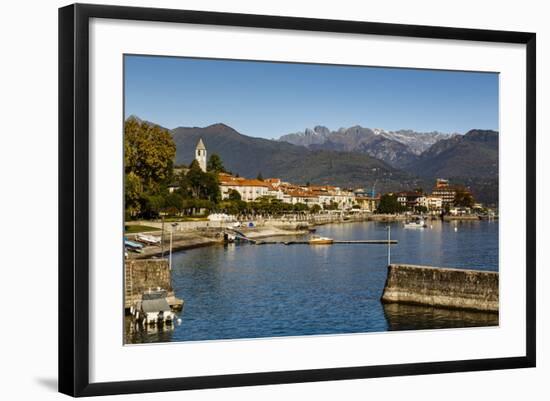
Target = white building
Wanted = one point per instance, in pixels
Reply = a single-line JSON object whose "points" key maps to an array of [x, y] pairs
{"points": [[434, 203], [250, 190], [200, 155]]}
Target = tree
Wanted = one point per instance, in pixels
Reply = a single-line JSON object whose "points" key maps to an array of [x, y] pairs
{"points": [[215, 164], [315, 208], [389, 204], [421, 209], [331, 206], [173, 203], [133, 192], [233, 195], [300, 207], [149, 153], [153, 205], [463, 198], [202, 185], [260, 176]]}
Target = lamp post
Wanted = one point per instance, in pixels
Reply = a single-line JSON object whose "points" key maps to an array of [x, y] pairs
{"points": [[174, 225], [389, 244], [162, 239]]}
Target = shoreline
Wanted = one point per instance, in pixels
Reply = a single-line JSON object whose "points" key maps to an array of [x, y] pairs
{"points": [[190, 240], [196, 239]]}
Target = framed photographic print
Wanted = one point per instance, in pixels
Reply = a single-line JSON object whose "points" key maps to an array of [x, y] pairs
{"points": [[250, 199]]}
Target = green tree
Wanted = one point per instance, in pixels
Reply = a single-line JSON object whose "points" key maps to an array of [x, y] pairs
{"points": [[133, 192], [215, 164], [331, 206], [233, 195], [421, 209], [153, 205], [389, 204], [149, 153], [173, 203], [260, 176], [463, 198], [202, 185], [315, 209], [300, 207]]}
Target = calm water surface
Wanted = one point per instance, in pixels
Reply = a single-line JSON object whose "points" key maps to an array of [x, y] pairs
{"points": [[250, 291]]}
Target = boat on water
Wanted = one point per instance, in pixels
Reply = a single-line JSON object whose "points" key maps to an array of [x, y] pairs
{"points": [[148, 239], [417, 223], [317, 240]]}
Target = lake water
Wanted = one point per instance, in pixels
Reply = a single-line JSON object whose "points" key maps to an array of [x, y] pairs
{"points": [[251, 291]]}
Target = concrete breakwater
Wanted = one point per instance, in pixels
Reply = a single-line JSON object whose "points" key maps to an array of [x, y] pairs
{"points": [[442, 287]]}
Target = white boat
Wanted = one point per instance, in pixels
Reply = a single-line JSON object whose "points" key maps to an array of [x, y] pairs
{"points": [[316, 240], [148, 239], [418, 223]]}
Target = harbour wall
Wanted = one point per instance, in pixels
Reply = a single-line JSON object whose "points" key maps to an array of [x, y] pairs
{"points": [[143, 275], [442, 287]]}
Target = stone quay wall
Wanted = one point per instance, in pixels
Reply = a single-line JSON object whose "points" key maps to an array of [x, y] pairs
{"points": [[140, 275], [442, 287]]}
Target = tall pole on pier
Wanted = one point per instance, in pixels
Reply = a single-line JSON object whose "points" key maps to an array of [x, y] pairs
{"points": [[174, 225], [170, 257], [162, 239], [389, 245]]}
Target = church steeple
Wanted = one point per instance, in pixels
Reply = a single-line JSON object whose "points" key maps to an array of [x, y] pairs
{"points": [[200, 155]]}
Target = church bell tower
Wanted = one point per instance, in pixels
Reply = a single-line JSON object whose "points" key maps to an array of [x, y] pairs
{"points": [[200, 155]]}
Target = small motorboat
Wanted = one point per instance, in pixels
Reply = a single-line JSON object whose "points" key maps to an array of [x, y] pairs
{"points": [[317, 240], [132, 245], [418, 223], [148, 239]]}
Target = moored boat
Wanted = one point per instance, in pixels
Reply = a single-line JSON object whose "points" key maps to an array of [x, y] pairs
{"points": [[316, 240], [132, 245], [418, 223], [148, 239]]}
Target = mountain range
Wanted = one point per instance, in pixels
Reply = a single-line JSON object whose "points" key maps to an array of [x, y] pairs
{"points": [[248, 156], [354, 157], [397, 148]]}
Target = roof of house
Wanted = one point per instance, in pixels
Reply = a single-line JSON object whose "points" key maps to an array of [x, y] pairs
{"points": [[243, 182], [301, 194]]}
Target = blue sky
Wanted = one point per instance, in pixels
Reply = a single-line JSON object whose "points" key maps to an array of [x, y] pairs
{"points": [[268, 100]]}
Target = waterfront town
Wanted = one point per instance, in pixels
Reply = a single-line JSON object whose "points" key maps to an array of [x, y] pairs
{"points": [[444, 198]]}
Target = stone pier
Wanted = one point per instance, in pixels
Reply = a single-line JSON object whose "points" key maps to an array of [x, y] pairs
{"points": [[148, 274], [442, 287]]}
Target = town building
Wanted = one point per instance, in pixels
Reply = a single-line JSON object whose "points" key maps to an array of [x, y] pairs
{"points": [[433, 203], [411, 200], [249, 190], [367, 203], [444, 191]]}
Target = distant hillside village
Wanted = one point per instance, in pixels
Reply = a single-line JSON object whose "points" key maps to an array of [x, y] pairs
{"points": [[155, 187]]}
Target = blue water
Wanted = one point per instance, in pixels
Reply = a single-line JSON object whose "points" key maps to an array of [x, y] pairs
{"points": [[251, 291]]}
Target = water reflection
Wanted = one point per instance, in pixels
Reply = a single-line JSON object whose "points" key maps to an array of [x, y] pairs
{"points": [[144, 333], [414, 317]]}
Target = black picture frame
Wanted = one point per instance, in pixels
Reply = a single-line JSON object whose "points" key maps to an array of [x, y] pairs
{"points": [[74, 200]]}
